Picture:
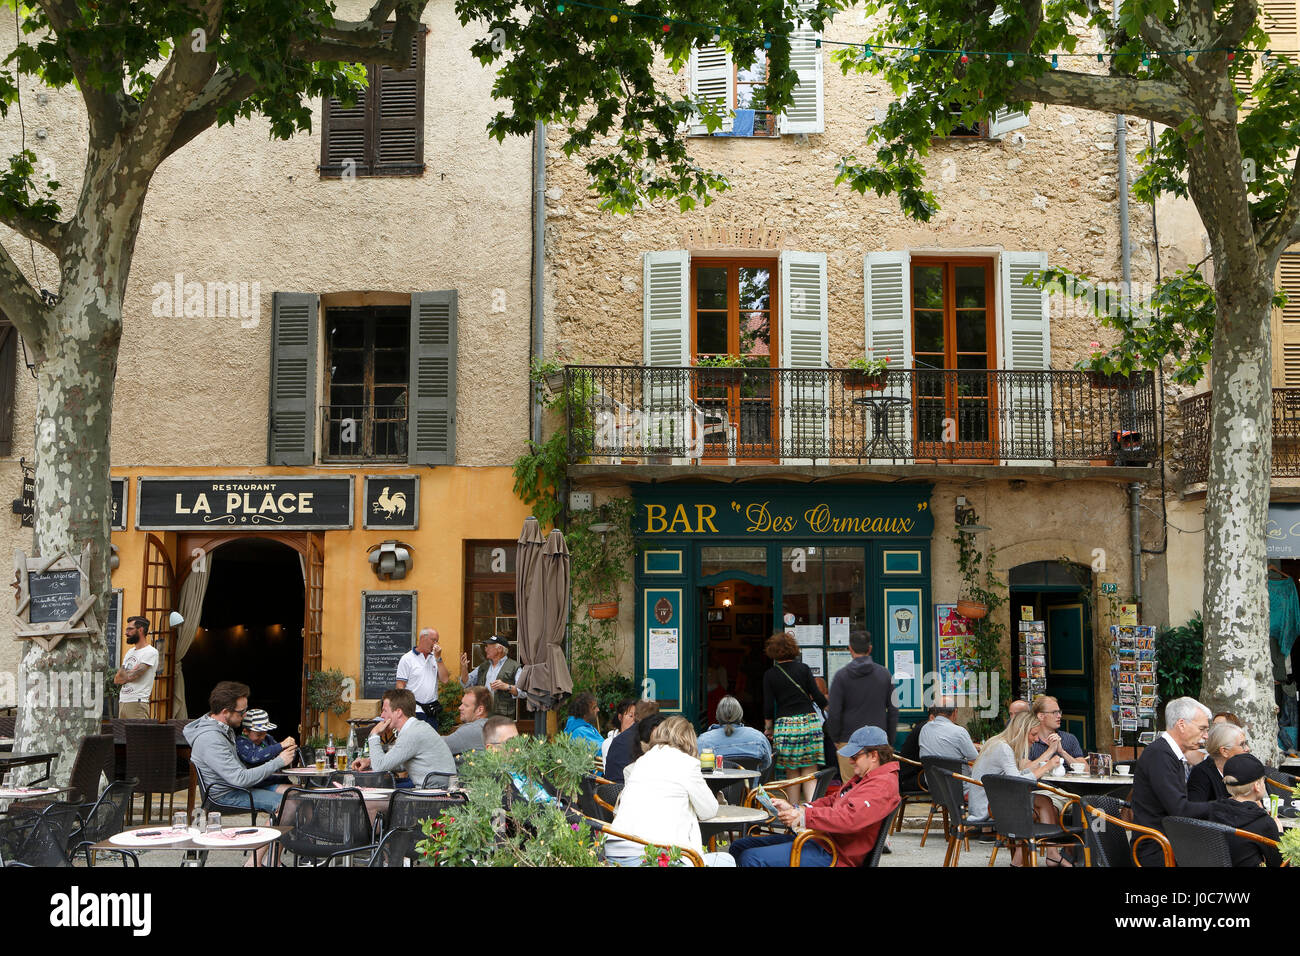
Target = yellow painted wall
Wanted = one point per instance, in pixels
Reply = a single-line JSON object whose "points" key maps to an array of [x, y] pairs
{"points": [[456, 504]]}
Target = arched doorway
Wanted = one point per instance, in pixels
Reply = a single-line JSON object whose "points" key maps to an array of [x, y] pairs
{"points": [[1058, 592], [251, 628]]}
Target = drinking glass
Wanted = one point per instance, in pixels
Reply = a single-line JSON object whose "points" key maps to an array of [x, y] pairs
{"points": [[342, 762], [320, 761], [178, 820], [214, 821]]}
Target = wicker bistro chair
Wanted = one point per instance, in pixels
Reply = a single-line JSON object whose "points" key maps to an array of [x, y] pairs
{"points": [[1011, 804], [908, 796], [1106, 841], [587, 802], [946, 791], [151, 759], [598, 826], [94, 758], [871, 860], [325, 825], [105, 817], [952, 765], [1279, 780], [1202, 843], [606, 795]]}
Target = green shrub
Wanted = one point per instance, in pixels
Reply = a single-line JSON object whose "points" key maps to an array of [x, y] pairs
{"points": [[449, 695], [1180, 658]]}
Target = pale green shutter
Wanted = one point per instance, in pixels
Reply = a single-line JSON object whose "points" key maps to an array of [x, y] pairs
{"points": [[806, 113], [431, 428], [291, 431], [1006, 121], [887, 305], [713, 78], [666, 343], [1027, 347], [804, 345]]}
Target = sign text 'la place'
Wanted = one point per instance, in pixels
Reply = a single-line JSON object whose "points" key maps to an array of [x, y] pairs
{"points": [[254, 501]]}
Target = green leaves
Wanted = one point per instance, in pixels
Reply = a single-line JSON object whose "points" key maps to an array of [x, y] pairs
{"points": [[21, 196]]}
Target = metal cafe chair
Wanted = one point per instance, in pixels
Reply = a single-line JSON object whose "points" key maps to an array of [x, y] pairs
{"points": [[1202, 843], [952, 765], [324, 825], [409, 809], [103, 818], [397, 848], [910, 795], [232, 800], [1105, 838], [946, 791], [1011, 804], [373, 778]]}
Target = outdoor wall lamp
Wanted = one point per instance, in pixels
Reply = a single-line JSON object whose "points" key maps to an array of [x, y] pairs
{"points": [[391, 560]]}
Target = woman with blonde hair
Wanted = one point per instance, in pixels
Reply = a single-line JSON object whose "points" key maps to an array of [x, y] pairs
{"points": [[664, 798], [1008, 753]]}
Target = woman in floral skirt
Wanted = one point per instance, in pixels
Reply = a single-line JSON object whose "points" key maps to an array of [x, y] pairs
{"points": [[789, 718]]}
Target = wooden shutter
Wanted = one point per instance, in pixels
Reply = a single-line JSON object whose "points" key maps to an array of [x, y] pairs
{"points": [[1006, 121], [345, 135], [1286, 322], [399, 129], [313, 616], [887, 304], [804, 345], [291, 437], [666, 339], [431, 428], [8, 375], [805, 114], [713, 77], [1026, 346], [157, 601]]}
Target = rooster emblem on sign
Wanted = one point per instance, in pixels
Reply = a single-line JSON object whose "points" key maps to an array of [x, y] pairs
{"points": [[390, 506]]}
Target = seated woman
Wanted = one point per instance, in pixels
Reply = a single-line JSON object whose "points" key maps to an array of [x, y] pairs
{"points": [[1205, 782], [624, 717], [1008, 753], [584, 714], [729, 737], [664, 797]]}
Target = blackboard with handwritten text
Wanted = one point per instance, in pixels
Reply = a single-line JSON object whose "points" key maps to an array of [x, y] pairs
{"points": [[387, 632]]}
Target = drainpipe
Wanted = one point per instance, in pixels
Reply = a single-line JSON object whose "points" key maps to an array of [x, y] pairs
{"points": [[1135, 530], [539, 274]]}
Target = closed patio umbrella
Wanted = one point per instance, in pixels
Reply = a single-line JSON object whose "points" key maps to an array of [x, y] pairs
{"points": [[542, 598]]}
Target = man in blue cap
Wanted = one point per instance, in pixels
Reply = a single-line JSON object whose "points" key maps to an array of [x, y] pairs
{"points": [[851, 817]]}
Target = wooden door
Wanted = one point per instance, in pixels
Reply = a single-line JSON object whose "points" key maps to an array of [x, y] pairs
{"points": [[313, 607], [1069, 664], [158, 600]]}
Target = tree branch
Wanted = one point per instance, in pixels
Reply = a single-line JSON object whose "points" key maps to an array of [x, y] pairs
{"points": [[48, 232], [1285, 229], [225, 88], [106, 108], [20, 302], [1241, 18], [1150, 99]]}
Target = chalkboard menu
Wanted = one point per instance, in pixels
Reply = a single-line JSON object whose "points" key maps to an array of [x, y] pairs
{"points": [[54, 595], [113, 629], [387, 632]]}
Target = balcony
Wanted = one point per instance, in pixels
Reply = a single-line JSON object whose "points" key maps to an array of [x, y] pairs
{"points": [[726, 416], [1196, 435], [363, 433]]}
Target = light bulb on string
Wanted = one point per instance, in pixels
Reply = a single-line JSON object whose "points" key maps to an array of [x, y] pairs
{"points": [[964, 57], [916, 57], [1055, 61], [1011, 61], [613, 18], [1146, 61], [1191, 58]]}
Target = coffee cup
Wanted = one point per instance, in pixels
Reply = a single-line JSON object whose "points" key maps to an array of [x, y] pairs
{"points": [[1122, 770]]}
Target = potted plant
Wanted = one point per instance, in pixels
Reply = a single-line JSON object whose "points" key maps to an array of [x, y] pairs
{"points": [[724, 370], [868, 373], [600, 550], [971, 609]]}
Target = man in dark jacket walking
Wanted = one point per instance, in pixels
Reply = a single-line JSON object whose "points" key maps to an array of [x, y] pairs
{"points": [[862, 695]]}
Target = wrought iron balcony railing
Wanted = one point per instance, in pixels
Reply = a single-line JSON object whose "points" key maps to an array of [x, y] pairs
{"points": [[363, 432], [1195, 440], [794, 416]]}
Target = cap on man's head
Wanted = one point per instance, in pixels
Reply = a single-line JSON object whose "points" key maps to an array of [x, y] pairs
{"points": [[861, 739], [258, 720], [1243, 769], [498, 639]]}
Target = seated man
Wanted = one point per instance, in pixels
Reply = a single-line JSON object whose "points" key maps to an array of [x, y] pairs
{"points": [[418, 749], [497, 730], [851, 817], [474, 707], [254, 746], [1160, 776], [942, 738], [1049, 738], [214, 752], [584, 714], [627, 745], [730, 737], [1242, 809]]}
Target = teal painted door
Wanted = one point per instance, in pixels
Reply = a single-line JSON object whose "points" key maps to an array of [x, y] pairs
{"points": [[1069, 664]]}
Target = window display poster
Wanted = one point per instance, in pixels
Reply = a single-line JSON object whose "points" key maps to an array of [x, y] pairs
{"points": [[812, 656], [664, 648], [834, 661], [903, 628], [904, 620], [952, 631], [840, 631], [808, 635]]}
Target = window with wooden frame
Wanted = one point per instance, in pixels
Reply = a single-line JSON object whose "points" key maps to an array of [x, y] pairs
{"points": [[382, 134], [954, 336], [489, 597], [367, 374], [734, 313]]}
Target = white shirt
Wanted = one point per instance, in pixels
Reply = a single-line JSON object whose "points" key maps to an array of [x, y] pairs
{"points": [[1178, 751], [421, 675], [663, 801], [140, 689]]}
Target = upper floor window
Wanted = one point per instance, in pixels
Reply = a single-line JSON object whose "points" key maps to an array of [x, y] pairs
{"points": [[383, 133], [367, 371]]}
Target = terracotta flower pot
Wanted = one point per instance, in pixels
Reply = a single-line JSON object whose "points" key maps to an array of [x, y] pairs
{"points": [[972, 610], [603, 612], [857, 380]]}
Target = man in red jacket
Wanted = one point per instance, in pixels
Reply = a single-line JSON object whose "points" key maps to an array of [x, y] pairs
{"points": [[851, 817]]}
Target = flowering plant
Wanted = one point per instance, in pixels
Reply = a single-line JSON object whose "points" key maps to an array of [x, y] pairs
{"points": [[662, 856], [870, 364]]}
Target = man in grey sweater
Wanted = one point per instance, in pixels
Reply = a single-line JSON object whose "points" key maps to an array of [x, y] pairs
{"points": [[474, 708], [418, 750], [213, 752], [862, 695]]}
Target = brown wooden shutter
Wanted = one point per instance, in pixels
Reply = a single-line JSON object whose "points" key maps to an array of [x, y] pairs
{"points": [[432, 408], [1281, 20], [291, 435], [8, 375], [1286, 323], [344, 135]]}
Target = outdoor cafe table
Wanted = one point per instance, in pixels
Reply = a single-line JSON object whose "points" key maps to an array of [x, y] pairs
{"points": [[11, 761], [9, 795], [721, 779], [196, 853], [1086, 784], [307, 776], [729, 818]]}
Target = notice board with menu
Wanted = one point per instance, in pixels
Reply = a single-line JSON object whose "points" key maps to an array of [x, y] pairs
{"points": [[388, 621]]}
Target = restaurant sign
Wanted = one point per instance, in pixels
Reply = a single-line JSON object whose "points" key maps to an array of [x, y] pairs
{"points": [[246, 503], [783, 511]]}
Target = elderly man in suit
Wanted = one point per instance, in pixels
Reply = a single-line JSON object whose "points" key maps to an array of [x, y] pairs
{"points": [[1160, 778]]}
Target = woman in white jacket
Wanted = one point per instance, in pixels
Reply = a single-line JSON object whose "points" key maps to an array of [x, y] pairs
{"points": [[664, 798]]}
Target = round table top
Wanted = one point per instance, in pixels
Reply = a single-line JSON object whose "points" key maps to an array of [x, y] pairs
{"points": [[732, 814], [732, 774], [1087, 780], [882, 400]]}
